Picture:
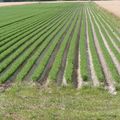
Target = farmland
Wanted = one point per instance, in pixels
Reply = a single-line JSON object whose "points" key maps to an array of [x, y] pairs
{"points": [[65, 43], [59, 61], [112, 6]]}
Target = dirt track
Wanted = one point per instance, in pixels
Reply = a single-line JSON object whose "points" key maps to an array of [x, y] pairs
{"points": [[2, 4], [112, 6]]}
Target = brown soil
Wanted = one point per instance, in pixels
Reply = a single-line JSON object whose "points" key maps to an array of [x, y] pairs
{"points": [[112, 6]]}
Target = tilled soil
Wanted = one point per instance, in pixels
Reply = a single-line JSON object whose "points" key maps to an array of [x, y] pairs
{"points": [[112, 6], [91, 66], [109, 83], [115, 61]]}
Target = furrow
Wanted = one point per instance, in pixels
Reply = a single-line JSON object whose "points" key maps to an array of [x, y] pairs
{"points": [[109, 83], [19, 51], [109, 26], [41, 56], [21, 59], [9, 38], [92, 69], [59, 67], [15, 28], [116, 46], [49, 59], [76, 75], [19, 40], [36, 58], [113, 57]]}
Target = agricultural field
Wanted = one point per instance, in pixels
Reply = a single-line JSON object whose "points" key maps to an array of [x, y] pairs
{"points": [[2, 4], [69, 44], [112, 6], [74, 46]]}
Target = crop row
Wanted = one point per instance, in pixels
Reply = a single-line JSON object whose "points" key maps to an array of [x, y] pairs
{"points": [[74, 44], [106, 53], [41, 48], [38, 71], [33, 34], [35, 42], [21, 40], [67, 40], [13, 32]]}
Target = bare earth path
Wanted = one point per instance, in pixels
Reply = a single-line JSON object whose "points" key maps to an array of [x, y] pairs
{"points": [[112, 6], [2, 4]]}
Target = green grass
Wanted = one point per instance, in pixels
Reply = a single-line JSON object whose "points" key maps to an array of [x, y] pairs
{"points": [[27, 102]]}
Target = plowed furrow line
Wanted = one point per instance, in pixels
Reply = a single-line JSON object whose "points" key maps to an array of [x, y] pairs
{"points": [[59, 59], [19, 51], [116, 46], [107, 73], [93, 76], [16, 27], [87, 53], [34, 42], [113, 57], [18, 20], [76, 75], [109, 26], [40, 58], [113, 25], [36, 60], [9, 38], [44, 76], [43, 79], [20, 39], [60, 75]]}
